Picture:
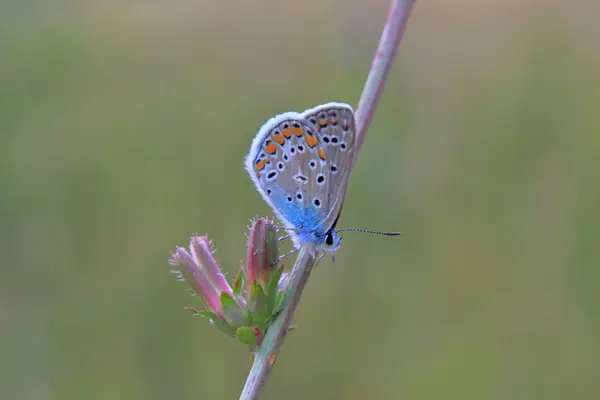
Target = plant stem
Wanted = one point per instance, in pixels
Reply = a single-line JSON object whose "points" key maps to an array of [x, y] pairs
{"points": [[392, 34], [388, 44]]}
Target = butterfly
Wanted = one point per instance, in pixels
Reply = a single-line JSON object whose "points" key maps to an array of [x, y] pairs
{"points": [[301, 163]]}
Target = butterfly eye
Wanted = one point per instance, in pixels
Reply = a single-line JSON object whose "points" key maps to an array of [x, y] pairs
{"points": [[329, 239]]}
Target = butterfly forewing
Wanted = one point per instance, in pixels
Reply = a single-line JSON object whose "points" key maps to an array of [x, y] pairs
{"points": [[335, 127]]}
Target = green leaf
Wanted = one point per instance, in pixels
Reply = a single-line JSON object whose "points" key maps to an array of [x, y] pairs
{"points": [[227, 301], [208, 314], [249, 318], [247, 336], [238, 283], [232, 312], [219, 323], [272, 318], [272, 291], [258, 302], [280, 300]]}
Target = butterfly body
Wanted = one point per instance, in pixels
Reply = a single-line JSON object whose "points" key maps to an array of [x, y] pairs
{"points": [[300, 163]]}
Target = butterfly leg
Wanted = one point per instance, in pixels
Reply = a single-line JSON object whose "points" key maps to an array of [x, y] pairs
{"points": [[289, 234], [284, 256], [320, 257]]}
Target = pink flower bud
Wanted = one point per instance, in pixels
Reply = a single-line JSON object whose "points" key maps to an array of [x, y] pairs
{"points": [[262, 252], [203, 256], [192, 269]]}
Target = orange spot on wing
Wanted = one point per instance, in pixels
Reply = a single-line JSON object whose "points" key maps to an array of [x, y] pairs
{"points": [[298, 131], [271, 148], [311, 141], [287, 132], [322, 122], [279, 139], [261, 164], [322, 154]]}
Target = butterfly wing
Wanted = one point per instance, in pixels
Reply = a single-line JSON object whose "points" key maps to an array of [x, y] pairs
{"points": [[335, 128], [288, 164]]}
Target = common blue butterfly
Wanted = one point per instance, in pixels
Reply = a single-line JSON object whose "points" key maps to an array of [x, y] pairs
{"points": [[301, 165]]}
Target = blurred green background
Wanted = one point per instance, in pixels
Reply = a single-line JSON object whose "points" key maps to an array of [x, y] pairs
{"points": [[123, 128]]}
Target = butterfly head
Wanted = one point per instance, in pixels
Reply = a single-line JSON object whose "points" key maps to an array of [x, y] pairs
{"points": [[331, 244]]}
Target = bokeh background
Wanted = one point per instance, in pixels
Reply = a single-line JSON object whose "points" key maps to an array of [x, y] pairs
{"points": [[123, 128]]}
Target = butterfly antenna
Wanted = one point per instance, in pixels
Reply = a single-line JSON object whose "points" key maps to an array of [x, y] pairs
{"points": [[369, 231]]}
